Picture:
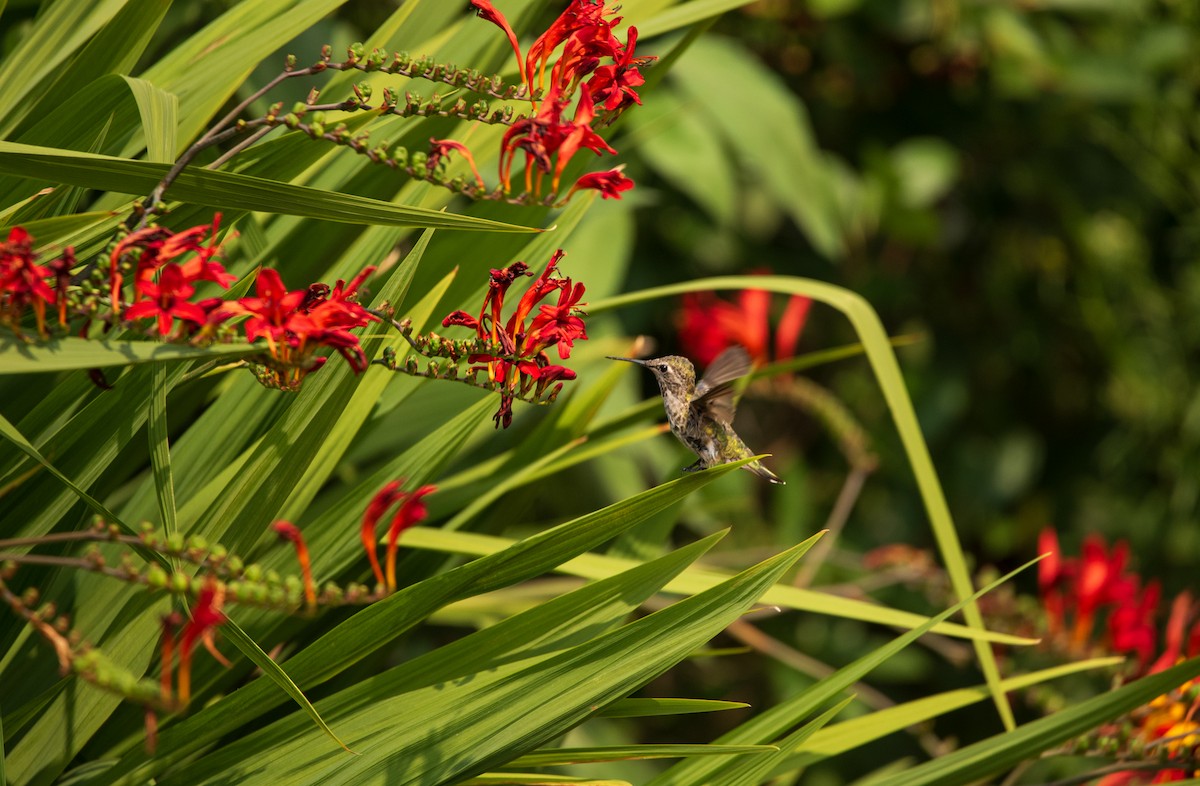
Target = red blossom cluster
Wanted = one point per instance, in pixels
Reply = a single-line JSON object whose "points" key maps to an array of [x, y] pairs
{"points": [[163, 281], [709, 325], [1076, 591], [411, 511], [518, 360], [595, 71], [23, 282], [297, 323]]}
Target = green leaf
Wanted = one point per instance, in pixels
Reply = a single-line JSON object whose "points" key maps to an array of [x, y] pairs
{"points": [[160, 450], [684, 14], [535, 779], [159, 110], [767, 726], [225, 190], [380, 623], [10, 432], [647, 708], [71, 353], [559, 757], [55, 35], [779, 150], [694, 580], [997, 754], [856, 732], [113, 50], [495, 715], [757, 769], [886, 368], [275, 672], [64, 230]]}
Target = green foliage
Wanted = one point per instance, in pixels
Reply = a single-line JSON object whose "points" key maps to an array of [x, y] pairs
{"points": [[584, 567]]}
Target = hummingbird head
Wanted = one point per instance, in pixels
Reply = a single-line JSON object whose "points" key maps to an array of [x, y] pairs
{"points": [[673, 372]]}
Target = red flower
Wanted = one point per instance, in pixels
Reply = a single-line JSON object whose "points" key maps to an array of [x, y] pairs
{"points": [[206, 618], [275, 312], [548, 139], [517, 357], [440, 148], [296, 323], [707, 325], [560, 324], [612, 86], [411, 511], [152, 247], [291, 533], [168, 299], [487, 11], [22, 281], [610, 184]]}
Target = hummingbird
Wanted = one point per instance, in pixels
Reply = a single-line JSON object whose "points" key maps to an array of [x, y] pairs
{"points": [[701, 413]]}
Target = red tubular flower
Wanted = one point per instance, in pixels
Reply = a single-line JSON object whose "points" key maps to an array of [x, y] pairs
{"points": [[1177, 622], [1050, 576], [612, 86], [560, 324], [487, 11], [547, 138], [291, 533], [206, 618], [517, 359], [610, 184], [168, 300], [22, 281], [61, 268], [151, 248], [379, 504], [412, 511], [441, 148], [708, 325], [1131, 625]]}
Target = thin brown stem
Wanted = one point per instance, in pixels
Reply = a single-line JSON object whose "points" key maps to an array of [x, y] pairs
{"points": [[847, 497]]}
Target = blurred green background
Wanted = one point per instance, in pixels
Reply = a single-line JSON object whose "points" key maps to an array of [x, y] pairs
{"points": [[1017, 181]]}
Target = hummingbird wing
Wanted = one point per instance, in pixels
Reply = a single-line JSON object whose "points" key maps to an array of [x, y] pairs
{"points": [[714, 391]]}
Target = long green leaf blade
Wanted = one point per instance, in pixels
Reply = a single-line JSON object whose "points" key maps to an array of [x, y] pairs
{"points": [[226, 190]]}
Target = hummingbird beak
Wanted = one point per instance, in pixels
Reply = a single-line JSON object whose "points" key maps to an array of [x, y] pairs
{"points": [[628, 360]]}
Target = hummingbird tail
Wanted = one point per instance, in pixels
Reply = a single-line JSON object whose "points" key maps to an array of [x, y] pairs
{"points": [[758, 469]]}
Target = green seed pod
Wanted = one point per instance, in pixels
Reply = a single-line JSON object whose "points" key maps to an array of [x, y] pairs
{"points": [[156, 577], [355, 52], [234, 565], [180, 582], [254, 573]]}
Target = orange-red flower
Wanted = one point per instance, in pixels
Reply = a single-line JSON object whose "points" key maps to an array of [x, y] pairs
{"points": [[411, 511], [149, 249], [517, 359], [709, 325], [291, 533], [167, 299], [206, 618], [22, 281], [296, 323], [609, 183], [548, 139]]}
